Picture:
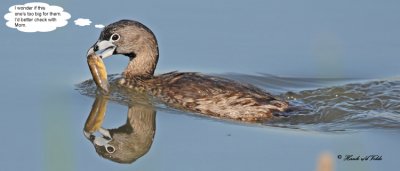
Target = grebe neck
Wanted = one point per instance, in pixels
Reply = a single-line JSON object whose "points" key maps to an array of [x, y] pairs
{"points": [[143, 62]]}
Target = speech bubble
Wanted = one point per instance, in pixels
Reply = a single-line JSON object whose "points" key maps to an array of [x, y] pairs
{"points": [[36, 17], [86, 22], [99, 26], [82, 22]]}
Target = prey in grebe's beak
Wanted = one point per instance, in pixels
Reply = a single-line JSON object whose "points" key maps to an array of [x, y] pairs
{"points": [[100, 50], [98, 71]]}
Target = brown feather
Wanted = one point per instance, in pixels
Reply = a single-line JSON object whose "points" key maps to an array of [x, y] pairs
{"points": [[190, 91]]}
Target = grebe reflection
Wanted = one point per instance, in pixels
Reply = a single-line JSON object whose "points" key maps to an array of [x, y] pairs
{"points": [[126, 143]]}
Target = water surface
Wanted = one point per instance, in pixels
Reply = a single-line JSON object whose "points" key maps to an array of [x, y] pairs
{"points": [[340, 106], [334, 59]]}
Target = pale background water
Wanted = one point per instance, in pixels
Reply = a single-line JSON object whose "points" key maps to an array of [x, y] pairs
{"points": [[43, 114]]}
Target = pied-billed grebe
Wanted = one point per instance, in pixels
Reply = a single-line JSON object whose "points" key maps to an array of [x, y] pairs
{"points": [[126, 143], [209, 95]]}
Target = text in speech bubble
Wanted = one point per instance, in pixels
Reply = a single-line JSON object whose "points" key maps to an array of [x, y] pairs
{"points": [[36, 17]]}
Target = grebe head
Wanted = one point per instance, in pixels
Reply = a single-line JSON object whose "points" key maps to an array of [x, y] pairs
{"points": [[132, 39]]}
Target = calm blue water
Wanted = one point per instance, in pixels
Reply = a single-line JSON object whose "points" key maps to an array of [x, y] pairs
{"points": [[283, 46]]}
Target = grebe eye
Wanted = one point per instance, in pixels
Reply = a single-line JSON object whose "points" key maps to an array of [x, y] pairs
{"points": [[115, 37]]}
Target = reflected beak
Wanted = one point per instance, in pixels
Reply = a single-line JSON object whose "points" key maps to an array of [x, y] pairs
{"points": [[98, 71]]}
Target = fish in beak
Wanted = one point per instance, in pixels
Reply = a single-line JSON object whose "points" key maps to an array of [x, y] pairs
{"points": [[95, 56], [99, 72]]}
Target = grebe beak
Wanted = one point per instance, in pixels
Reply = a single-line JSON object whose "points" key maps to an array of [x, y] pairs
{"points": [[98, 71], [103, 48]]}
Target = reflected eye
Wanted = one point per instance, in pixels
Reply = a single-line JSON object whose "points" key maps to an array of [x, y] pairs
{"points": [[115, 37], [110, 149]]}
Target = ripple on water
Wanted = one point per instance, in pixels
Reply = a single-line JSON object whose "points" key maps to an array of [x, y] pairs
{"points": [[369, 105], [348, 107]]}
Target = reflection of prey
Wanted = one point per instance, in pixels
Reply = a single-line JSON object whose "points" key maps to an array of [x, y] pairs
{"points": [[126, 143]]}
